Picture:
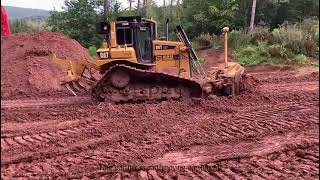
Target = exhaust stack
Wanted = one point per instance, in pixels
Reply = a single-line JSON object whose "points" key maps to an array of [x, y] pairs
{"points": [[225, 31], [167, 30]]}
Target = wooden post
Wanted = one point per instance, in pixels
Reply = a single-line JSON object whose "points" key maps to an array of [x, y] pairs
{"points": [[225, 31]]}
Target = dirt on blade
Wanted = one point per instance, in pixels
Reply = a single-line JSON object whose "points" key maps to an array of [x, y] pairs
{"points": [[26, 71]]}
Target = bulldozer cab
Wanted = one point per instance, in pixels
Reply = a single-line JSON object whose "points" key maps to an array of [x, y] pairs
{"points": [[133, 32]]}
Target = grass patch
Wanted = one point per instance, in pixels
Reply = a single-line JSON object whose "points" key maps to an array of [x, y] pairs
{"points": [[315, 64], [92, 51], [251, 55]]}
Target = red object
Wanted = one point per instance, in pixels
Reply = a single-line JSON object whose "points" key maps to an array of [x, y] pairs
{"points": [[5, 27]]}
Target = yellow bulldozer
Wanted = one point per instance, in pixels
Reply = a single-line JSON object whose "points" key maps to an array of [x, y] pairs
{"points": [[135, 66]]}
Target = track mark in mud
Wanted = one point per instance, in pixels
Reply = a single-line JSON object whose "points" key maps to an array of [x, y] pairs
{"points": [[200, 155], [264, 121], [244, 125], [12, 104], [292, 163], [30, 140]]}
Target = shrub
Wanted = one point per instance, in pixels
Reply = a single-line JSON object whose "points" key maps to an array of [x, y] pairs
{"points": [[259, 34], [309, 26], [278, 51], [250, 55], [233, 39], [290, 43], [300, 59], [207, 41], [196, 46], [315, 64], [300, 38], [238, 39], [317, 36], [291, 38], [22, 26]]}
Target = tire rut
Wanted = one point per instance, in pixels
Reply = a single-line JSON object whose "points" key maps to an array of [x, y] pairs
{"points": [[288, 163], [29, 140], [48, 102]]}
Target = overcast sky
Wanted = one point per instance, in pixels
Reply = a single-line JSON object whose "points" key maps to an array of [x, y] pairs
{"points": [[44, 4], [35, 4]]}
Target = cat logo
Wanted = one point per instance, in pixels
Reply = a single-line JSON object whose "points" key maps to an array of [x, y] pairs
{"points": [[104, 55]]}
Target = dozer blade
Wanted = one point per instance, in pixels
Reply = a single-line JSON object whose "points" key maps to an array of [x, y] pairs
{"points": [[71, 88], [75, 88], [80, 87]]}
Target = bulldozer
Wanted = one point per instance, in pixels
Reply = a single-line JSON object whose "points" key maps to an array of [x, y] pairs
{"points": [[135, 66]]}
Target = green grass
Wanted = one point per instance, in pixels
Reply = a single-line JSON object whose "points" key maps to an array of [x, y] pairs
{"points": [[251, 55], [92, 51], [315, 64]]}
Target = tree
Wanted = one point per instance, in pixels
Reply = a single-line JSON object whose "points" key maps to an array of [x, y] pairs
{"points": [[139, 4], [106, 8], [209, 16], [130, 4], [253, 14], [77, 21], [22, 26]]}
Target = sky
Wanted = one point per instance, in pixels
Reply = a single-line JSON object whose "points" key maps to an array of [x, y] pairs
{"points": [[42, 4], [35, 4]]}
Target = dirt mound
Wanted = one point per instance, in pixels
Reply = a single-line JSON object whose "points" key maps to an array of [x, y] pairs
{"points": [[26, 70], [214, 57]]}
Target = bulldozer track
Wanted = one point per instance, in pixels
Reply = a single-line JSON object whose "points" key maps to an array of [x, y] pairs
{"points": [[143, 92], [11, 104]]}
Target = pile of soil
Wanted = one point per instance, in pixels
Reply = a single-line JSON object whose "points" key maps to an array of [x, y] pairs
{"points": [[26, 70]]}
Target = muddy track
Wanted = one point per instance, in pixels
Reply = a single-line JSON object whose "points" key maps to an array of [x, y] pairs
{"points": [[272, 157], [292, 156], [11, 141], [241, 127], [47, 102], [245, 124]]}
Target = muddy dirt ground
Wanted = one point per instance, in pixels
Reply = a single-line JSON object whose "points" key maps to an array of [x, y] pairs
{"points": [[270, 133]]}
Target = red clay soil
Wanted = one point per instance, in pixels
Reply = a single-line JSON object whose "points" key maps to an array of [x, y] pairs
{"points": [[268, 133], [25, 67]]}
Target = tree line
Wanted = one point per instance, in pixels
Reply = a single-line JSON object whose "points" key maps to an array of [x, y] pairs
{"points": [[198, 17]]}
